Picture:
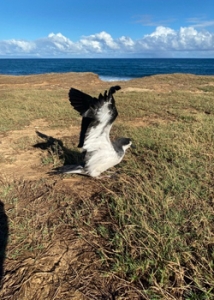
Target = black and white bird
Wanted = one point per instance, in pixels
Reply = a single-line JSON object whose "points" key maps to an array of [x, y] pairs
{"points": [[98, 115]]}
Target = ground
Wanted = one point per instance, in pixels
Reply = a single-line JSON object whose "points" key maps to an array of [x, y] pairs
{"points": [[50, 221]]}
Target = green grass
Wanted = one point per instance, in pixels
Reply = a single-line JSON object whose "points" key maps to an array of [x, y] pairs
{"points": [[20, 107], [153, 227], [164, 213]]}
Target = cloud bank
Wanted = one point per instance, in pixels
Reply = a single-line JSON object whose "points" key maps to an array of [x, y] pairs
{"points": [[163, 42]]}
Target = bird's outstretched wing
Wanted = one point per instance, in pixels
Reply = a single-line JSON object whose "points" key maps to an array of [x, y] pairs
{"points": [[80, 101], [101, 110]]}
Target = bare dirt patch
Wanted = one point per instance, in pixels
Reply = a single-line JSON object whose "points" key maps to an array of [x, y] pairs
{"points": [[135, 89], [19, 159]]}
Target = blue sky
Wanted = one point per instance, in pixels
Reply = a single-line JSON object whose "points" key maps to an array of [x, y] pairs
{"points": [[107, 28]]}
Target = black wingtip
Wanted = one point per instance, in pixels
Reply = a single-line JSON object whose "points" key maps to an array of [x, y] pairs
{"points": [[113, 89], [80, 101]]}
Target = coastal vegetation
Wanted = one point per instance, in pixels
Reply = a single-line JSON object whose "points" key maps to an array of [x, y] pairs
{"points": [[147, 232]]}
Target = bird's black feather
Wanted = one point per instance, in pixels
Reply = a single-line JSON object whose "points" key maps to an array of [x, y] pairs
{"points": [[113, 89], [84, 126], [80, 101]]}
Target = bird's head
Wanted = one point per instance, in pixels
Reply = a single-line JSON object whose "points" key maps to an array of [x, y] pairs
{"points": [[125, 143]]}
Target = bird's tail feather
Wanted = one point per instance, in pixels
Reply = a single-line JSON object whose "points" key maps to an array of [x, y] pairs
{"points": [[72, 169]]}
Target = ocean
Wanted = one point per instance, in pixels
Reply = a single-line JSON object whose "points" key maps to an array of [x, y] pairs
{"points": [[108, 69]]}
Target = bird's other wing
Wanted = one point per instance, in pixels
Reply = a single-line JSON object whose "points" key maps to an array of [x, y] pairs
{"points": [[112, 106], [113, 89]]}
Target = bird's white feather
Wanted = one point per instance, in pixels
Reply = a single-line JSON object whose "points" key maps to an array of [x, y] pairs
{"points": [[101, 161], [97, 136], [101, 154]]}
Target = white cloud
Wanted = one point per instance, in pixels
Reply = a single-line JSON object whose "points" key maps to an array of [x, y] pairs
{"points": [[163, 42], [186, 39], [57, 44], [162, 31], [10, 47], [126, 42], [101, 42]]}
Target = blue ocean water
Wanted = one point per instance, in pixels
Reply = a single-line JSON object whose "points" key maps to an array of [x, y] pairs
{"points": [[108, 69]]}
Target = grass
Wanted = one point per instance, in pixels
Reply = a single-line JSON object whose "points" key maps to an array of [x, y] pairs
{"points": [[20, 107], [151, 231]]}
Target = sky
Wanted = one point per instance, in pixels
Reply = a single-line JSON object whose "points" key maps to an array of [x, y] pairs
{"points": [[107, 29]]}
